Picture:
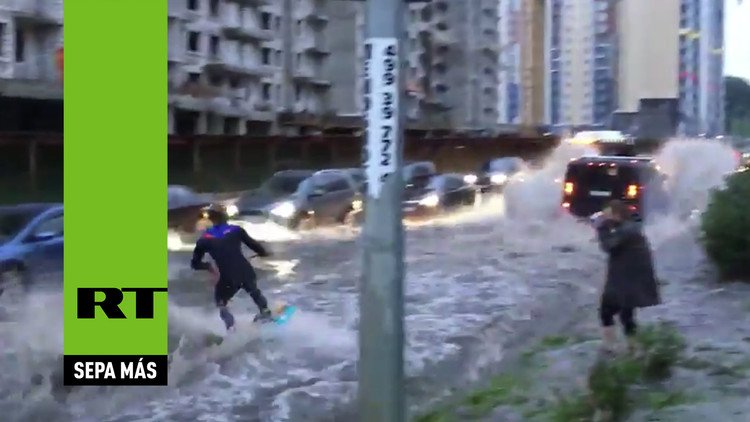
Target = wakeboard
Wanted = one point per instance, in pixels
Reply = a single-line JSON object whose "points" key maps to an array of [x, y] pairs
{"points": [[280, 316]]}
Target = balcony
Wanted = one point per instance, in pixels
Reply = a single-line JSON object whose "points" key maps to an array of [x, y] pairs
{"points": [[176, 9], [243, 24], [315, 44], [228, 107], [250, 3], [239, 32], [37, 12], [311, 75], [220, 64], [264, 105], [316, 16], [192, 96]]}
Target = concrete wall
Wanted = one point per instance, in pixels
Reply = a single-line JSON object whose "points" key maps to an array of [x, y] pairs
{"points": [[649, 51], [343, 65]]}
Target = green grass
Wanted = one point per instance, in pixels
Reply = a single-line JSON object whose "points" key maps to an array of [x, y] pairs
{"points": [[610, 390]]}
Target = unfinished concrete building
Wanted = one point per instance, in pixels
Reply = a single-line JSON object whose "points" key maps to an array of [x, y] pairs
{"points": [[245, 67], [451, 64], [31, 34]]}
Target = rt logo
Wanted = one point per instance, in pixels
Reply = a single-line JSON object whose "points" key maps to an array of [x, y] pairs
{"points": [[110, 304]]}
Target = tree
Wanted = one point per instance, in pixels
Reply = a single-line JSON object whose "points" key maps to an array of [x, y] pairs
{"points": [[737, 104]]}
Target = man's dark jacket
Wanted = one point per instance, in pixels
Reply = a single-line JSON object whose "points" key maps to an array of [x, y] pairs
{"points": [[631, 282]]}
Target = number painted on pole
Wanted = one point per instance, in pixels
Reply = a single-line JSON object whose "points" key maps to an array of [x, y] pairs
{"points": [[381, 104]]}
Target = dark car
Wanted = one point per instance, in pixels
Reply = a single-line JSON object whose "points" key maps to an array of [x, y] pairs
{"points": [[31, 243], [495, 174], [418, 173], [591, 182], [184, 208], [302, 199], [441, 193]]}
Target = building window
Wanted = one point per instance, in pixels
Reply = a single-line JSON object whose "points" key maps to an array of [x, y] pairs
{"points": [[214, 8], [266, 53], [299, 27], [278, 23], [194, 77], [20, 46], [193, 4], [265, 20], [3, 25], [299, 59], [278, 58], [267, 92], [214, 46], [194, 41], [297, 92]]}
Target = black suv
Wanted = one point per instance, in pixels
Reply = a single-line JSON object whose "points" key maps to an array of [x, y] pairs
{"points": [[591, 182]]}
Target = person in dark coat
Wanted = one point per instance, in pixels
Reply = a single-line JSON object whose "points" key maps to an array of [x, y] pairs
{"points": [[631, 282]]}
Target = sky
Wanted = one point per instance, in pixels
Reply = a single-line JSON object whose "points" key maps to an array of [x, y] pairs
{"points": [[737, 39]]}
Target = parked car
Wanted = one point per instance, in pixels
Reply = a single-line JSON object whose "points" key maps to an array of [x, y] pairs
{"points": [[442, 193], [494, 174], [184, 208], [31, 243], [301, 199], [418, 173]]}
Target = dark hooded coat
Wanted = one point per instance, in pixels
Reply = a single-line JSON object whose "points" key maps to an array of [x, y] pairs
{"points": [[631, 281]]}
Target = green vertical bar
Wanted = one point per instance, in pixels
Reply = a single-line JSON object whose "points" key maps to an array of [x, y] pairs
{"points": [[115, 169]]}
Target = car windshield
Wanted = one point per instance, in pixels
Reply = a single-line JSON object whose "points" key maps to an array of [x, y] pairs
{"points": [[435, 183], [501, 165], [286, 184], [12, 222]]}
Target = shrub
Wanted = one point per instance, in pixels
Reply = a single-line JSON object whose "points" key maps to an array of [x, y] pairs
{"points": [[725, 227], [610, 393], [662, 349]]}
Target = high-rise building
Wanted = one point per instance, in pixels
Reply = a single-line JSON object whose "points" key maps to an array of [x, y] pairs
{"points": [[701, 67], [581, 57], [671, 66], [510, 23], [239, 67]]}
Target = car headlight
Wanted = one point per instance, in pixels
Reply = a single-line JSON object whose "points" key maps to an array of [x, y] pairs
{"points": [[357, 204], [232, 210], [431, 200], [498, 178], [284, 210], [470, 178]]}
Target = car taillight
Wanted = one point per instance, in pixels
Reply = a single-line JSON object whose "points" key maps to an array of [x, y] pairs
{"points": [[632, 191], [569, 188]]}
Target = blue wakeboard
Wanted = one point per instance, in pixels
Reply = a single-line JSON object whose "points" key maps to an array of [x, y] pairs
{"points": [[284, 315]]}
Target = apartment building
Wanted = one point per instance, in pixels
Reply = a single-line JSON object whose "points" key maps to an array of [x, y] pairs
{"points": [[510, 94], [31, 91], [582, 58], [31, 32], [701, 67], [246, 67], [450, 66]]}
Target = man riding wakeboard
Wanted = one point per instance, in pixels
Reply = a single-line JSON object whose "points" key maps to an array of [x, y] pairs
{"points": [[223, 242]]}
